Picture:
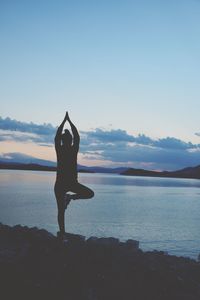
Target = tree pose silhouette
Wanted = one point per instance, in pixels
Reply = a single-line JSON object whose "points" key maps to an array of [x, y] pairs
{"points": [[67, 148]]}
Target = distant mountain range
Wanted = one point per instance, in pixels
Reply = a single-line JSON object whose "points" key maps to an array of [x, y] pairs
{"points": [[23, 166], [52, 167], [21, 158], [25, 162]]}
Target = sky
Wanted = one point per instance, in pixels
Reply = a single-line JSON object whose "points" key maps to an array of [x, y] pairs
{"points": [[127, 72]]}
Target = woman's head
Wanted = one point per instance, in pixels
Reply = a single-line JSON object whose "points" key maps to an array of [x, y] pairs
{"points": [[66, 138]]}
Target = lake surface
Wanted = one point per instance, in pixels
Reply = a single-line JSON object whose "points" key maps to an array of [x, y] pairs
{"points": [[161, 213]]}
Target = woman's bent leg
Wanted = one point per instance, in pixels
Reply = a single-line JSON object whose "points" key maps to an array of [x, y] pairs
{"points": [[81, 192]]}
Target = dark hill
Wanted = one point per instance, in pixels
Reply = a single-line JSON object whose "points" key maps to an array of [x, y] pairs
{"points": [[191, 172]]}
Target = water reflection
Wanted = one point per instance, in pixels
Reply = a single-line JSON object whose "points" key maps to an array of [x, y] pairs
{"points": [[115, 179]]}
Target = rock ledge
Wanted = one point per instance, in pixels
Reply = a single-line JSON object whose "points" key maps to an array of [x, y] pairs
{"points": [[34, 264]]}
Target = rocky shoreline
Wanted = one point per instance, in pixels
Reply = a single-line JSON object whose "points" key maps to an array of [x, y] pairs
{"points": [[34, 264]]}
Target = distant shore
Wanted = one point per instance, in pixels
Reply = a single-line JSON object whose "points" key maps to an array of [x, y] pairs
{"points": [[34, 264], [188, 173], [34, 167]]}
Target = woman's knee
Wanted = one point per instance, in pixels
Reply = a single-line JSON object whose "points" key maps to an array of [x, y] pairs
{"points": [[60, 204], [90, 194]]}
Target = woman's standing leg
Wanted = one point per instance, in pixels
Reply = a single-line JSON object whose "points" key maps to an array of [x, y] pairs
{"points": [[60, 193]]}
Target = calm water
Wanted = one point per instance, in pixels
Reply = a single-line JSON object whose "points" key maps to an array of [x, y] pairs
{"points": [[162, 213]]}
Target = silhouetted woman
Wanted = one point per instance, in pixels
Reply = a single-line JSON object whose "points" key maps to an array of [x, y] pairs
{"points": [[66, 179]]}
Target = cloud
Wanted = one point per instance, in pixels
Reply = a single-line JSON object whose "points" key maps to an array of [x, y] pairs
{"points": [[116, 145], [118, 135], [173, 143], [166, 153], [8, 135], [111, 136], [26, 132], [24, 158], [14, 125]]}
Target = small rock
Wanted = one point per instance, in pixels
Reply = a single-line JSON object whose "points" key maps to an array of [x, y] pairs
{"points": [[132, 244], [111, 242], [75, 237]]}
